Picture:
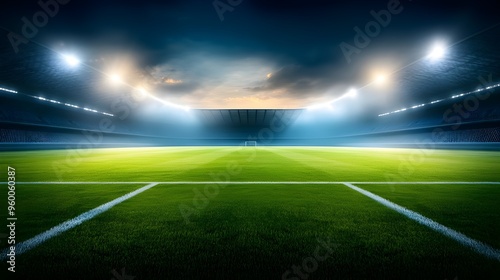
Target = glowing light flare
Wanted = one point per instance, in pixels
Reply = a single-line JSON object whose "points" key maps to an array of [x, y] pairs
{"points": [[380, 79], [143, 91], [72, 60], [317, 106], [438, 51], [116, 79], [8, 90], [352, 92]]}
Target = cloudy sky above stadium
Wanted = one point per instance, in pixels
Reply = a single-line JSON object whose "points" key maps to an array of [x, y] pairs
{"points": [[251, 53]]}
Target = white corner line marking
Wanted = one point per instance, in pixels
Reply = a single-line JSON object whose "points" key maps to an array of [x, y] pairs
{"points": [[33, 242], [477, 246]]}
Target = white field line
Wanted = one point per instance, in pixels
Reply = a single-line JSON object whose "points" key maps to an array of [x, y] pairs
{"points": [[477, 246], [255, 183], [31, 243]]}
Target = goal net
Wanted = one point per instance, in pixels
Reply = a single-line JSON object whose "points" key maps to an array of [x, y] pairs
{"points": [[250, 143]]}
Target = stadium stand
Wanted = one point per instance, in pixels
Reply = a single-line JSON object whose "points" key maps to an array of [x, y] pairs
{"points": [[28, 121]]}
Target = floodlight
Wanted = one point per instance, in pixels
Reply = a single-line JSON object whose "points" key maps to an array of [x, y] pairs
{"points": [[352, 92], [116, 79], [437, 52], [71, 60], [7, 90], [380, 79]]}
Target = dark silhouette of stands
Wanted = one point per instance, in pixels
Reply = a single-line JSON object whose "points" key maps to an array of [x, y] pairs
{"points": [[24, 121]]}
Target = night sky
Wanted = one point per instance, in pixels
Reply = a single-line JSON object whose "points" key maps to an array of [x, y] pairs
{"points": [[254, 54]]}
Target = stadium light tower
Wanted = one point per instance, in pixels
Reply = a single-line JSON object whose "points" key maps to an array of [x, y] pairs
{"points": [[72, 60]]}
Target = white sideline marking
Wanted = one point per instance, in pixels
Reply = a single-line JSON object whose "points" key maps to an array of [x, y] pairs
{"points": [[33, 242], [256, 183], [426, 183], [455, 235]]}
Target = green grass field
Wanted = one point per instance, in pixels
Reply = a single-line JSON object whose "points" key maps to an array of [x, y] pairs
{"points": [[254, 213]]}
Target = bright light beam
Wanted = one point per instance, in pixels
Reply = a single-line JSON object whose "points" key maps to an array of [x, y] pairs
{"points": [[72, 60], [145, 93], [380, 79], [351, 93], [116, 79], [437, 52]]}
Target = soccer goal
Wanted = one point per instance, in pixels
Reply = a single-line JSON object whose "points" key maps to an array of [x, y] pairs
{"points": [[250, 143]]}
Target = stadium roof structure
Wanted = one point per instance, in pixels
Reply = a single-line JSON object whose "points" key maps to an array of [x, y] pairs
{"points": [[259, 118]]}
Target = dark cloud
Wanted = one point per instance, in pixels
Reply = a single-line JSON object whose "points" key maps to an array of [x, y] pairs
{"points": [[297, 80]]}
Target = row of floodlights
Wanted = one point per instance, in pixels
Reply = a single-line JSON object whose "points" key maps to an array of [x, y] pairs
{"points": [[440, 100], [71, 105], [438, 51], [8, 90], [58, 102]]}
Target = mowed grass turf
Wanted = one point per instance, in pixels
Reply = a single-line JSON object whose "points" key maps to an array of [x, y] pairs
{"points": [[42, 207], [254, 231], [261, 164]]}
